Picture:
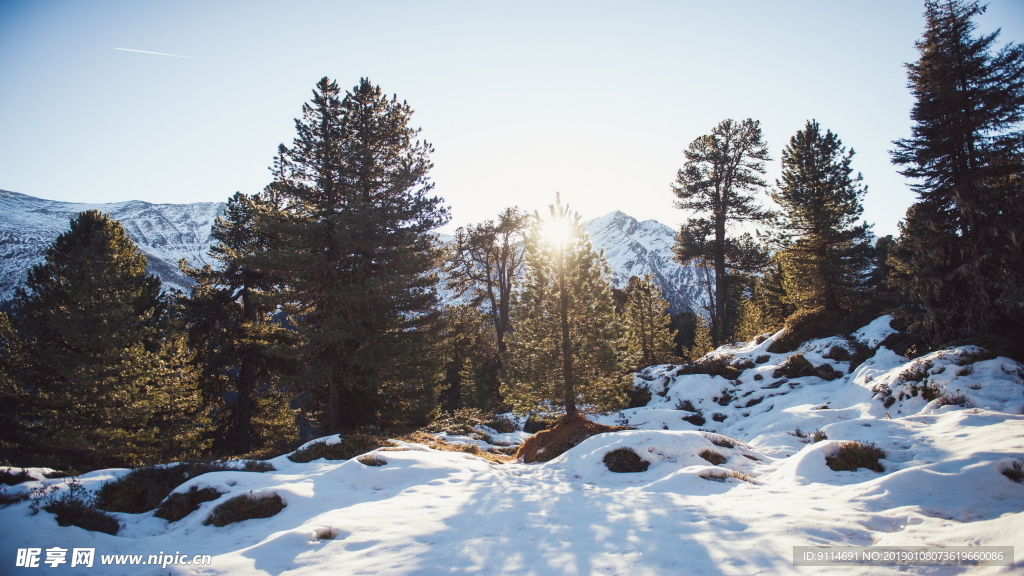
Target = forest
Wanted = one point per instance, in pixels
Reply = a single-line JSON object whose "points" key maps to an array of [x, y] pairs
{"points": [[334, 308]]}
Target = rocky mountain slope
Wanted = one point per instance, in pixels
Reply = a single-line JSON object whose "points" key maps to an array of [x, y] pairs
{"points": [[169, 232], [164, 232]]}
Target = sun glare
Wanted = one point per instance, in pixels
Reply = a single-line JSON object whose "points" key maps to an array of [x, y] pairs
{"points": [[556, 231]]}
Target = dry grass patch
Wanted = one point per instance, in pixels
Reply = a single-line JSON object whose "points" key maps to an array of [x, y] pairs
{"points": [[245, 507], [372, 460], [712, 456], [568, 432], [625, 460], [438, 444], [1015, 472], [721, 441], [851, 456], [181, 504], [351, 445], [326, 533], [12, 478]]}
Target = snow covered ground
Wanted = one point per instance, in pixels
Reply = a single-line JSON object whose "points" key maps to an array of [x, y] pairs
{"points": [[433, 512]]}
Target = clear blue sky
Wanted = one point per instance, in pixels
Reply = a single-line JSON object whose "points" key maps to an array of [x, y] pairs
{"points": [[596, 100]]}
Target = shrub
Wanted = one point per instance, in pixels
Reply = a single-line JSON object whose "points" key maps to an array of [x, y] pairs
{"points": [[536, 423], [8, 499], [718, 417], [952, 399], [502, 424], [712, 456], [796, 366], [76, 507], [851, 456], [326, 533], [1015, 472], [713, 366], [697, 418], [807, 325], [625, 460], [244, 507], [713, 475], [725, 398], [145, 488], [762, 359], [372, 460], [721, 441], [818, 436], [257, 466], [838, 353], [11, 478], [55, 474], [639, 396], [181, 504], [351, 445], [685, 405], [566, 433]]}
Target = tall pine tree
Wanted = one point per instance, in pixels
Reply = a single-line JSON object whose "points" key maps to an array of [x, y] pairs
{"points": [[568, 348], [97, 357], [722, 172], [354, 214], [959, 256], [828, 257], [241, 349]]}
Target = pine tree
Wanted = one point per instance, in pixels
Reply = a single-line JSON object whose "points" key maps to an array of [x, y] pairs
{"points": [[959, 256], [567, 349], [722, 171], [241, 348], [828, 257], [98, 357], [483, 263], [647, 321], [702, 343], [354, 215]]}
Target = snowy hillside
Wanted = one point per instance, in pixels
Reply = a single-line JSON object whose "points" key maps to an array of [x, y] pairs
{"points": [[164, 232], [169, 232], [424, 511]]}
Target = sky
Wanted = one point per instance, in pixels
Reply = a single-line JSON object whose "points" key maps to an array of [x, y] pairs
{"points": [[594, 100]]}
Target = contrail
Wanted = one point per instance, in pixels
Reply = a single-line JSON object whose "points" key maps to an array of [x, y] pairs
{"points": [[158, 53]]}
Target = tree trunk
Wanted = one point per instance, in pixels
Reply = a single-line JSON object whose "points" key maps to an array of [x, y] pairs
{"points": [[717, 330], [563, 308]]}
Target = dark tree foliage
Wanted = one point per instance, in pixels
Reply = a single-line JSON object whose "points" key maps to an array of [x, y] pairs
{"points": [[96, 359], [722, 172], [959, 257], [241, 350], [483, 263], [648, 322], [828, 254], [353, 212]]}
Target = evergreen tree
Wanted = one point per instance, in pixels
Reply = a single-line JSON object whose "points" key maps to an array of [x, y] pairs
{"points": [[648, 321], [484, 262], [702, 343], [98, 358], [828, 257], [241, 349], [959, 256], [722, 171], [567, 348], [353, 212]]}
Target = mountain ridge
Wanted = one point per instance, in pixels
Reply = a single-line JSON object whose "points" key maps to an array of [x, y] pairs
{"points": [[166, 233]]}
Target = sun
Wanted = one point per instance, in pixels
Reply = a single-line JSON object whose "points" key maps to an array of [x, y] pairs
{"points": [[556, 231]]}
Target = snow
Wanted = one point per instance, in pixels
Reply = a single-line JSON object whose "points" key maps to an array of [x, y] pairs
{"points": [[430, 512]]}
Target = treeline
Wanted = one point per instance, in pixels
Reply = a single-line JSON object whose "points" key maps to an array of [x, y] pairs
{"points": [[322, 314]]}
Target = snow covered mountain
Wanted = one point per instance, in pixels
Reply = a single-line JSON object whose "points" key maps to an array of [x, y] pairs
{"points": [[636, 248], [169, 232], [164, 232]]}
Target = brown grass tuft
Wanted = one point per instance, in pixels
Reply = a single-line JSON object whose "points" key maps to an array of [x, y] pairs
{"points": [[566, 433], [851, 456]]}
